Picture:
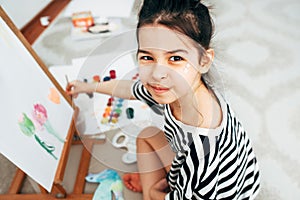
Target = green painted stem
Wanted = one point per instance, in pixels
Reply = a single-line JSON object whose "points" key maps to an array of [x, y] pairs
{"points": [[48, 148]]}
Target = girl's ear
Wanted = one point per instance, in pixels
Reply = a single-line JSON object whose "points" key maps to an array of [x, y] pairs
{"points": [[206, 61]]}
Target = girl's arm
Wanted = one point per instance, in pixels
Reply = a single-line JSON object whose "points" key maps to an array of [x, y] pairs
{"points": [[117, 88]]}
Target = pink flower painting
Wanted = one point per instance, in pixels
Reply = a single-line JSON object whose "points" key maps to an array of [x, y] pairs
{"points": [[27, 128], [40, 117]]}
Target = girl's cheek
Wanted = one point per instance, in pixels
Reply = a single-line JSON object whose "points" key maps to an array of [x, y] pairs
{"points": [[178, 77], [181, 81], [145, 73]]}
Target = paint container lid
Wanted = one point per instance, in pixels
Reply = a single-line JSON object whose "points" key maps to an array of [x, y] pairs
{"points": [[106, 78], [130, 113], [112, 74]]}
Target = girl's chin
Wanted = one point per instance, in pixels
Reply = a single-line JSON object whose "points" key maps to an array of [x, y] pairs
{"points": [[163, 99]]}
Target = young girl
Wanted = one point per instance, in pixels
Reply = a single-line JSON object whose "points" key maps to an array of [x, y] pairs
{"points": [[203, 152]]}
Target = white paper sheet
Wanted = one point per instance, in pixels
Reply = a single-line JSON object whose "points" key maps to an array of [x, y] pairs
{"points": [[23, 84]]}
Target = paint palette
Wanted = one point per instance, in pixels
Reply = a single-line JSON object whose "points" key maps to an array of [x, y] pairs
{"points": [[114, 106], [128, 142], [112, 111]]}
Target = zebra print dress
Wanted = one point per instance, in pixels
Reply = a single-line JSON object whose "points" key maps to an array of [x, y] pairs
{"points": [[209, 163]]}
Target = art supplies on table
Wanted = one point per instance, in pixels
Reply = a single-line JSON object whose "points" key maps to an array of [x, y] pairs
{"points": [[83, 19], [102, 27], [112, 8]]}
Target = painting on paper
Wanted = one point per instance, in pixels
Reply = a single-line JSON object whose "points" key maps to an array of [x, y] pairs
{"points": [[35, 117]]}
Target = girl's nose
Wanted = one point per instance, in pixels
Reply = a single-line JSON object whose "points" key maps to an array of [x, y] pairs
{"points": [[159, 72]]}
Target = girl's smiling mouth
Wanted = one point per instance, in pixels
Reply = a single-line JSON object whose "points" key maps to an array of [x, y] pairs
{"points": [[158, 88]]}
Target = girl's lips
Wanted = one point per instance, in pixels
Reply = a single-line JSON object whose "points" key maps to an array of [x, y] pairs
{"points": [[159, 89]]}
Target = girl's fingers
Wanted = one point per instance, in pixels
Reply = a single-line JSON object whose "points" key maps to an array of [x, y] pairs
{"points": [[72, 93], [69, 88]]}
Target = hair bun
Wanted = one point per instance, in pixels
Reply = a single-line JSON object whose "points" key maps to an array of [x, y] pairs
{"points": [[196, 1]]}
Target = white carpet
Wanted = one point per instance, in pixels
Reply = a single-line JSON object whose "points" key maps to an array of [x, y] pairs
{"points": [[259, 45]]}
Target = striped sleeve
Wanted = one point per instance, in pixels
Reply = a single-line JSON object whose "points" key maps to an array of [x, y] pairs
{"points": [[142, 94]]}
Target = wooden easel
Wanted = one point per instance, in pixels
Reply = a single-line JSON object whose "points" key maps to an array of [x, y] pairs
{"points": [[58, 191]]}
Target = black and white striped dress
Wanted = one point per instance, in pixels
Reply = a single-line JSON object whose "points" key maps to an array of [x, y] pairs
{"points": [[210, 163]]}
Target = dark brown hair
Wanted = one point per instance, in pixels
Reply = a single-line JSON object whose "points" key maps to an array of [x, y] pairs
{"points": [[189, 17]]}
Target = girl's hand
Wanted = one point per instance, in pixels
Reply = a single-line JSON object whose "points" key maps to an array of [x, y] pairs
{"points": [[76, 87], [159, 190]]}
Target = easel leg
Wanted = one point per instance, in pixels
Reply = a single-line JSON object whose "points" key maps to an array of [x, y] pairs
{"points": [[17, 182], [43, 190], [59, 191], [83, 168]]}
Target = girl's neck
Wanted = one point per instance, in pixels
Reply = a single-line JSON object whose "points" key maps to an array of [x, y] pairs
{"points": [[199, 108]]}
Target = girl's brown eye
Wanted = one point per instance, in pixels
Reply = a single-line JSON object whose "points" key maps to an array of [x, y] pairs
{"points": [[176, 58], [146, 58]]}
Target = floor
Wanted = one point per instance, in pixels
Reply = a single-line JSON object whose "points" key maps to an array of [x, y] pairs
{"points": [[7, 170], [257, 47]]}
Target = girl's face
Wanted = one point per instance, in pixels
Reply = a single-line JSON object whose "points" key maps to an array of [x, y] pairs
{"points": [[168, 63]]}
